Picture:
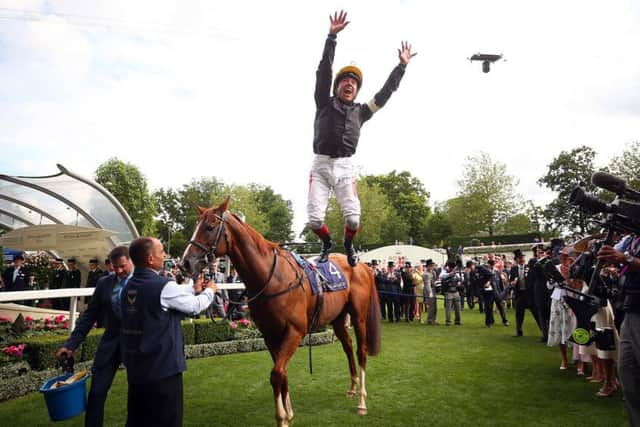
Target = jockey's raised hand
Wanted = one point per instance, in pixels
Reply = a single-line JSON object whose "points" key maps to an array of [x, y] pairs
{"points": [[404, 53], [338, 22]]}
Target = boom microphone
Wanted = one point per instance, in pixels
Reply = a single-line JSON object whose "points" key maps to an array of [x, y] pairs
{"points": [[614, 184]]}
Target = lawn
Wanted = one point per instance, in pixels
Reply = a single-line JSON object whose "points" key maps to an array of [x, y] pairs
{"points": [[424, 376]]}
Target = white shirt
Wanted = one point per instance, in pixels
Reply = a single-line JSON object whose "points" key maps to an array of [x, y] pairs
{"points": [[183, 298]]}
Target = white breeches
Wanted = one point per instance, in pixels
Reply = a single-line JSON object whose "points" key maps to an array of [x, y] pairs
{"points": [[329, 174]]}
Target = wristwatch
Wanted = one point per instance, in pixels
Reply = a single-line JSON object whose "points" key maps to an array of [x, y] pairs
{"points": [[628, 258]]}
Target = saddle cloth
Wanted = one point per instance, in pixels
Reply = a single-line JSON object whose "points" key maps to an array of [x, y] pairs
{"points": [[324, 277]]}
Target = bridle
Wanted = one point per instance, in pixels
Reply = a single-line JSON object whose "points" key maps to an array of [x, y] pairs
{"points": [[209, 254]]}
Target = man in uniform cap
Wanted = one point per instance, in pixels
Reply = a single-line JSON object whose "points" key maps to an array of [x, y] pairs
{"points": [[73, 279], [92, 277]]}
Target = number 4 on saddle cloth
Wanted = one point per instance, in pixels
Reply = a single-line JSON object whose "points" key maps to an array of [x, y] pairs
{"points": [[324, 276]]}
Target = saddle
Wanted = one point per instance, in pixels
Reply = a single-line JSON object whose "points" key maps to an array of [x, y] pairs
{"points": [[323, 277]]}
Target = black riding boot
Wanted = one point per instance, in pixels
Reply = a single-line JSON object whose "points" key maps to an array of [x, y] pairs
{"points": [[350, 252], [327, 245]]}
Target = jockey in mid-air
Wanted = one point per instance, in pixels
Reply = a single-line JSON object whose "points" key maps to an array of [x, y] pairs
{"points": [[336, 132]]}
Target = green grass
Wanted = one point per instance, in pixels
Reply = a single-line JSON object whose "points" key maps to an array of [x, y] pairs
{"points": [[425, 376]]}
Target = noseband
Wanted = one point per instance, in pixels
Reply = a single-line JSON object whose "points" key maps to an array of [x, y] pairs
{"points": [[210, 253]]}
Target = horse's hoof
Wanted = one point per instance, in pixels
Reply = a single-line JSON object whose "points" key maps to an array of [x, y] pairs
{"points": [[351, 393], [283, 423], [362, 411]]}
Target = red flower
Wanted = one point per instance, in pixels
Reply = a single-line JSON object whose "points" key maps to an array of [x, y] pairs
{"points": [[28, 319]]}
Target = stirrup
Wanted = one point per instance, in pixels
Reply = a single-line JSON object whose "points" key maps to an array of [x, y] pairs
{"points": [[351, 255], [326, 249]]}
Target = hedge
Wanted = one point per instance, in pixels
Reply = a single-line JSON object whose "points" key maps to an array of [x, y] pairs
{"points": [[40, 352], [17, 379], [208, 332], [89, 347]]}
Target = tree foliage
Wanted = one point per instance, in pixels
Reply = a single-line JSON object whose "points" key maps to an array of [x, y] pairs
{"points": [[487, 196], [265, 210], [564, 173], [627, 165], [129, 186], [409, 199]]}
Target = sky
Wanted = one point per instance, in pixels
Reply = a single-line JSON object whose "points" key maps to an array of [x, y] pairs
{"points": [[189, 89]]}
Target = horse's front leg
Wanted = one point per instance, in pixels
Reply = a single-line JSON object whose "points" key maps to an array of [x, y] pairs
{"points": [[279, 378], [341, 332]]}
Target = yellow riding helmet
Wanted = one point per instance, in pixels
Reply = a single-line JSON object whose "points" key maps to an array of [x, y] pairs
{"points": [[348, 71]]}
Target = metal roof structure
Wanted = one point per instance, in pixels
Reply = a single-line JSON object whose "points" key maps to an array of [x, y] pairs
{"points": [[65, 198]]}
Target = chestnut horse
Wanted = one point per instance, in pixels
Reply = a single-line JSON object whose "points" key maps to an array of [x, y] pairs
{"points": [[281, 302]]}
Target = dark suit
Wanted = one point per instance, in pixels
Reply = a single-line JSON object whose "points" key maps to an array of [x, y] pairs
{"points": [[524, 295], [542, 296], [21, 282], [72, 279], [108, 358]]}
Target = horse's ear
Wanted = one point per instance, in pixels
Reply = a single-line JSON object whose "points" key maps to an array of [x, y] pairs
{"points": [[201, 210], [224, 205]]}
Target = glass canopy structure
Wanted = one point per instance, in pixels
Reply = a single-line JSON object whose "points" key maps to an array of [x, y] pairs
{"points": [[63, 199]]}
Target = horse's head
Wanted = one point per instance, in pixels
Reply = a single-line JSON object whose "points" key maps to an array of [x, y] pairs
{"points": [[209, 241]]}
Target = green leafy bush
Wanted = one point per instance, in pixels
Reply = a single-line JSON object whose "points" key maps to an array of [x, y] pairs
{"points": [[40, 352], [89, 347], [189, 332], [207, 332]]}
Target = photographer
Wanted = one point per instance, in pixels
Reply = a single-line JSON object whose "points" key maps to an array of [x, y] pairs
{"points": [[451, 285], [627, 254]]}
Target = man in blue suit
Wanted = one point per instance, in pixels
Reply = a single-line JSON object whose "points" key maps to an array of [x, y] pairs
{"points": [[101, 310]]}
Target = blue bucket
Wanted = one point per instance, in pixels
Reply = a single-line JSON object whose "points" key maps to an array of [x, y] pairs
{"points": [[67, 401]]}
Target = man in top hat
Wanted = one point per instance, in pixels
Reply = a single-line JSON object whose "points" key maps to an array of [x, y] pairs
{"points": [[408, 292], [523, 290], [337, 126], [16, 277], [542, 293], [392, 288], [379, 279]]}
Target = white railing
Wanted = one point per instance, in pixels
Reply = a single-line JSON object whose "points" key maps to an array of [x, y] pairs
{"points": [[73, 294]]}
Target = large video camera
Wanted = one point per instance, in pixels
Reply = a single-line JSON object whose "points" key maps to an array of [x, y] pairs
{"points": [[623, 214]]}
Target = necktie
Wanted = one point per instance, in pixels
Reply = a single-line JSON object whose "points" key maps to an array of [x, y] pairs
{"points": [[115, 297]]}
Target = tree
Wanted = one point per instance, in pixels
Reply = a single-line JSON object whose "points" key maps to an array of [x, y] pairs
{"points": [[408, 197], [627, 165], [487, 193], [564, 173], [129, 186], [202, 192], [380, 222], [167, 226], [277, 212], [439, 228]]}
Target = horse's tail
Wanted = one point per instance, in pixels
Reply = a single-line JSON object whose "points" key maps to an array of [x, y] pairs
{"points": [[374, 318]]}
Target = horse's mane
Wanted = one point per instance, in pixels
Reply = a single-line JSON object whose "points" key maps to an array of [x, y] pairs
{"points": [[264, 246]]}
